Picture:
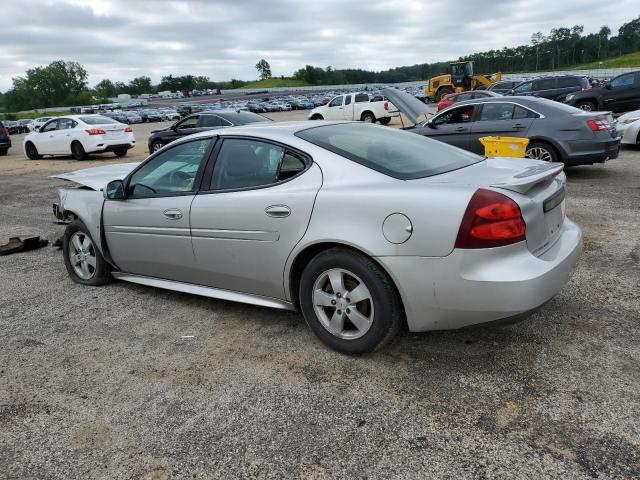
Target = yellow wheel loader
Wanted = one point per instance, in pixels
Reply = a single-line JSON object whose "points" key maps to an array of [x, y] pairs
{"points": [[461, 79]]}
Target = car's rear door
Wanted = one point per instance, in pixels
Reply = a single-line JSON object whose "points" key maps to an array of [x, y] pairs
{"points": [[148, 233], [500, 119], [257, 206]]}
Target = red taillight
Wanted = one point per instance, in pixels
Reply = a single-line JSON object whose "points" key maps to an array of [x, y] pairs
{"points": [[598, 125], [128, 130], [386, 105], [491, 220], [95, 131], [6, 132]]}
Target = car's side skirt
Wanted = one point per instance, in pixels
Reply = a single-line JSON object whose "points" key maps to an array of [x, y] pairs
{"points": [[210, 292]]}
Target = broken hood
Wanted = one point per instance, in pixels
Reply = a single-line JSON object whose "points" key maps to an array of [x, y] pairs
{"points": [[408, 105], [97, 177]]}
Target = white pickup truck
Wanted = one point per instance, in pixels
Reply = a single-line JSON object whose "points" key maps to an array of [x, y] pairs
{"points": [[355, 106]]}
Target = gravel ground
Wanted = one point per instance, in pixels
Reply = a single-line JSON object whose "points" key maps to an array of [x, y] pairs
{"points": [[125, 381]]}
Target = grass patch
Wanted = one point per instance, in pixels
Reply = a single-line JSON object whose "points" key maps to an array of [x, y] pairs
{"points": [[22, 116], [629, 60], [276, 82]]}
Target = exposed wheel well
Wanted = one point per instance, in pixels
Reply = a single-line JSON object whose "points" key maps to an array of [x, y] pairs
{"points": [[304, 257]]}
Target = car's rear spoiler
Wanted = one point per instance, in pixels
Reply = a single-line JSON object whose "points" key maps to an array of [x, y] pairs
{"points": [[408, 105], [525, 180]]}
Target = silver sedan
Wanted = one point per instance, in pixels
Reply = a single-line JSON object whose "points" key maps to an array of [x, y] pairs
{"points": [[362, 228]]}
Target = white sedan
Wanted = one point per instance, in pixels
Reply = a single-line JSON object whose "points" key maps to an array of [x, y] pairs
{"points": [[628, 127], [79, 135]]}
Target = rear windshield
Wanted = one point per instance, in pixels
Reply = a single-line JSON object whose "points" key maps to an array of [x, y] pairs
{"points": [[243, 118], [399, 154], [97, 120]]}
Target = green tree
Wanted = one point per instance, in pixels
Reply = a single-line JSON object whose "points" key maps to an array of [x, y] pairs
{"points": [[105, 89], [264, 69], [140, 85]]}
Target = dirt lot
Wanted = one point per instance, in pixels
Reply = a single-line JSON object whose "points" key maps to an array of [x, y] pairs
{"points": [[125, 381]]}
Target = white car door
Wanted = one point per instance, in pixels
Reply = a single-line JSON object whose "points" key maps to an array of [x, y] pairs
{"points": [[334, 109], [255, 209], [347, 111], [45, 139]]}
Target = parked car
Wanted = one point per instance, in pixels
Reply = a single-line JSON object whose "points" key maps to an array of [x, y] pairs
{"points": [[12, 127], [621, 94], [556, 132], [452, 98], [132, 117], [628, 127], [5, 140], [170, 114], [199, 122], [79, 135], [253, 214], [150, 115], [25, 125], [355, 106], [554, 88]]}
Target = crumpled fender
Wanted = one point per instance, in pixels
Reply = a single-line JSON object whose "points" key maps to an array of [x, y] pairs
{"points": [[86, 205]]}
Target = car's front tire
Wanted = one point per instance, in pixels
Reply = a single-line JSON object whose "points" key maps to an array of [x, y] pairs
{"points": [[317, 117], [77, 151], [349, 301], [157, 145], [82, 258], [31, 151]]}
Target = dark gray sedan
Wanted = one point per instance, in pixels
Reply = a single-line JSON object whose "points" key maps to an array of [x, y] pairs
{"points": [[556, 132]]}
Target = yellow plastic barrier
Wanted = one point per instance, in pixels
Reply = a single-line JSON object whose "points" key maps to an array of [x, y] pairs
{"points": [[504, 146]]}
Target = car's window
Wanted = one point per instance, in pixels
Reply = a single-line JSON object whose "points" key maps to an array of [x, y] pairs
{"points": [[395, 153], [97, 120], [456, 115], [210, 121], [524, 87], [347, 100], [245, 163], [496, 111], [66, 123], [519, 113], [361, 98], [545, 84], [336, 102], [50, 127], [625, 80], [566, 82], [171, 171], [463, 96], [191, 122]]}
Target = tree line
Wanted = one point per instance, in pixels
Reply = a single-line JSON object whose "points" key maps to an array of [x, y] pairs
{"points": [[64, 83]]}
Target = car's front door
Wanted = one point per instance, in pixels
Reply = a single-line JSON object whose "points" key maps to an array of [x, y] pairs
{"points": [[623, 94], [499, 120], [452, 126], [334, 109], [257, 207], [188, 126], [148, 233], [46, 138]]}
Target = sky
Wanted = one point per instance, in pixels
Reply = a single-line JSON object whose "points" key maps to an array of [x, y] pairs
{"points": [[223, 39]]}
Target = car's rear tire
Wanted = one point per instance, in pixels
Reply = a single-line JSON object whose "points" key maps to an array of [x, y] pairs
{"points": [[317, 117], [587, 106], [443, 92], [120, 152], [31, 151], [542, 151], [156, 145], [368, 117], [3, 151], [77, 151], [83, 260], [347, 324], [384, 120]]}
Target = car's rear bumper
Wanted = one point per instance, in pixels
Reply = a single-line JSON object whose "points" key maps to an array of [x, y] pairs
{"points": [[102, 144], [5, 143], [470, 287], [587, 152]]}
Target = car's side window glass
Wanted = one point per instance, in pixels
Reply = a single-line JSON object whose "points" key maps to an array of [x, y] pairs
{"points": [[361, 98], [524, 87], [210, 121], [244, 163], [519, 113], [625, 80], [545, 84], [191, 122], [567, 82], [458, 115], [336, 102], [496, 111], [347, 100], [464, 96], [50, 127], [170, 172], [66, 123]]}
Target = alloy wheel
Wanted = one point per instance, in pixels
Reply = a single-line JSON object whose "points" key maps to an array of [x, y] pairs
{"points": [[82, 255], [586, 107], [539, 153], [157, 146], [343, 304]]}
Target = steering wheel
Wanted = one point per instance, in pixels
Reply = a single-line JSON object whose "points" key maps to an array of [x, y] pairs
{"points": [[180, 179]]}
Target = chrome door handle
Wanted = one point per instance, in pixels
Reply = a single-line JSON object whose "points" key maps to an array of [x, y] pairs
{"points": [[278, 211], [173, 214], [460, 129], [518, 126]]}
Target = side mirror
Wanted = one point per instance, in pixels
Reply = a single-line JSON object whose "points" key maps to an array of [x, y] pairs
{"points": [[114, 190], [430, 124], [36, 129], [607, 85], [510, 92]]}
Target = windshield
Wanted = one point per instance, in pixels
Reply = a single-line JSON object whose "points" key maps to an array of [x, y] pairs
{"points": [[97, 120], [395, 153]]}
